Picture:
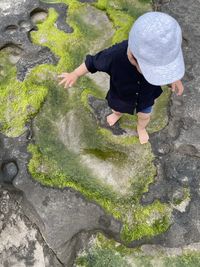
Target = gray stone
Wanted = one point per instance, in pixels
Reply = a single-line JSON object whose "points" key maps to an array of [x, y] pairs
{"points": [[180, 167], [21, 243], [56, 211], [18, 18], [38, 16], [66, 219], [10, 170], [101, 111]]}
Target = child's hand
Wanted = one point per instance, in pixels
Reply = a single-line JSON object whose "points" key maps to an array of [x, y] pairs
{"points": [[68, 79], [177, 87]]}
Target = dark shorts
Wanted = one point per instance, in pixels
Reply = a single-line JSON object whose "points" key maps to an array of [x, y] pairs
{"points": [[125, 107], [119, 105], [147, 110]]}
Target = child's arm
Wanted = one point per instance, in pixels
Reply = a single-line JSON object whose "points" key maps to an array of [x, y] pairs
{"points": [[102, 61], [69, 79], [177, 87]]}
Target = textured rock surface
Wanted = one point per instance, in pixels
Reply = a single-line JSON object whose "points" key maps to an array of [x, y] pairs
{"points": [[21, 242], [15, 32], [63, 217], [64, 220], [179, 165]]}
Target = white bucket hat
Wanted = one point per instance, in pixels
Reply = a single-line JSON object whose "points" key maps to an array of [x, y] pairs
{"points": [[155, 41]]}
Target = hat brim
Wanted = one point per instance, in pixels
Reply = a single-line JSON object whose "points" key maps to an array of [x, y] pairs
{"points": [[162, 75]]}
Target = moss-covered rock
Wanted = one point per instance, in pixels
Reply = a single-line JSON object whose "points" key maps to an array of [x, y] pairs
{"points": [[70, 149], [104, 250], [112, 170]]}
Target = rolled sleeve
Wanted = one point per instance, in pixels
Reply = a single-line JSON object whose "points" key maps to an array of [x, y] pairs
{"points": [[99, 62], [89, 62]]}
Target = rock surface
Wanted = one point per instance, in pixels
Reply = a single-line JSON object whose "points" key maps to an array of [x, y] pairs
{"points": [[178, 166], [47, 226], [21, 242]]}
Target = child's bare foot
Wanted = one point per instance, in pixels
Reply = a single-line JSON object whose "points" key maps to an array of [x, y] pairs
{"points": [[113, 118], [143, 135]]}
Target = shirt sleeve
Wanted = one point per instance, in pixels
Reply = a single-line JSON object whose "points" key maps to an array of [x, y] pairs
{"points": [[102, 61]]}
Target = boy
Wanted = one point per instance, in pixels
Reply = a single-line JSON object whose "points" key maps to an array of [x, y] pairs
{"points": [[151, 57]]}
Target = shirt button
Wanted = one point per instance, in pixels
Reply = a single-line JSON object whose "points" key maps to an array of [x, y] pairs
{"points": [[138, 82], [136, 93]]}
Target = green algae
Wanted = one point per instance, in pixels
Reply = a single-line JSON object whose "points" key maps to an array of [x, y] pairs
{"points": [[56, 165], [71, 175], [62, 166], [108, 155], [159, 118], [134, 257], [122, 13], [188, 259], [178, 200], [146, 221], [101, 258], [19, 101]]}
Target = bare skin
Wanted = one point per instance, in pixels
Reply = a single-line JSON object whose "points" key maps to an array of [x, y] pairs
{"points": [[113, 117], [143, 120], [69, 79]]}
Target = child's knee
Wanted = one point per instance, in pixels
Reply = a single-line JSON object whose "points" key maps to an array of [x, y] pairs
{"points": [[143, 116]]}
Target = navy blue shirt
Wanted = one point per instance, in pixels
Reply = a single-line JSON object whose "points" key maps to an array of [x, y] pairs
{"points": [[128, 88]]}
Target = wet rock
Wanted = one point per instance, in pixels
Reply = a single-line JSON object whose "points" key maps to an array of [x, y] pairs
{"points": [[187, 150], [10, 170], [183, 180], [79, 215], [188, 141], [164, 149], [38, 16], [15, 30], [105, 221], [101, 111], [21, 243], [38, 55], [61, 9], [176, 146], [179, 167], [178, 195]]}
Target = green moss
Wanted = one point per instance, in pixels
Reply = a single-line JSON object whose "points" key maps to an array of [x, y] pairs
{"points": [[72, 175], [146, 221], [122, 23], [146, 1], [135, 257], [19, 101], [64, 169], [83, 182], [63, 45], [108, 155], [103, 242], [159, 118], [101, 258], [122, 13], [119, 139], [186, 197], [188, 259], [55, 164]]}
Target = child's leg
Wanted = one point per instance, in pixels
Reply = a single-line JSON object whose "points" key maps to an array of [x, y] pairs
{"points": [[113, 117], [143, 120]]}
